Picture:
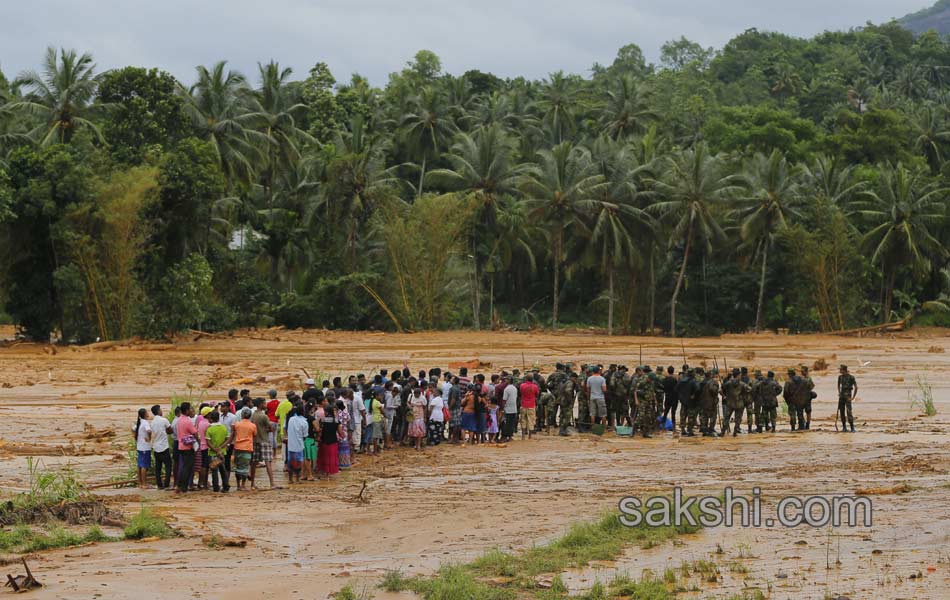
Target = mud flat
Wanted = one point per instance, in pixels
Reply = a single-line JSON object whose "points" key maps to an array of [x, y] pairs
{"points": [[74, 406]]}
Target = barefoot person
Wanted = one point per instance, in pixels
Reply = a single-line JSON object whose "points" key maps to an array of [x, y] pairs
{"points": [[142, 433], [242, 436], [263, 442]]}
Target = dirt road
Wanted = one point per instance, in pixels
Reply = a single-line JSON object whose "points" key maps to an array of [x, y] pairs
{"points": [[451, 503]]}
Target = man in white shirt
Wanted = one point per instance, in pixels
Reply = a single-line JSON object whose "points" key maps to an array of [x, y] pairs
{"points": [[163, 457], [297, 430], [510, 399], [357, 413]]}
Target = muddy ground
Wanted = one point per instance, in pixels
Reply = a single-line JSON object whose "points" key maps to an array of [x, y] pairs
{"points": [[452, 503]]}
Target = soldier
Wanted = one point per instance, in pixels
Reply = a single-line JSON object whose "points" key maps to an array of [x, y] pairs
{"points": [[808, 394], [847, 392], [734, 390], [657, 377], [622, 391], [646, 403], [635, 404], [553, 385], [746, 394], [708, 403], [757, 400], [670, 397], [792, 393], [566, 402], [684, 394], [610, 395], [769, 390], [583, 399]]}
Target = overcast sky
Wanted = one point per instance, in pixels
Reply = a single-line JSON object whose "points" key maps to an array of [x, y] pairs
{"points": [[375, 37]]}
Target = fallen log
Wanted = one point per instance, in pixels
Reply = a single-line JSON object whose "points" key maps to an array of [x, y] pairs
{"points": [[883, 328]]}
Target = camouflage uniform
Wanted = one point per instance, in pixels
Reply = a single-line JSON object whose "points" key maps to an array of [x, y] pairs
{"points": [[566, 395], [769, 389], [846, 388], [646, 402], [611, 377], [583, 400], [625, 387], [746, 394], [708, 404], [553, 384], [792, 393], [733, 392], [756, 394], [686, 391]]}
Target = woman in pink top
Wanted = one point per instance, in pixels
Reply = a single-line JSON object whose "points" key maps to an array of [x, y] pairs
{"points": [[187, 437]]}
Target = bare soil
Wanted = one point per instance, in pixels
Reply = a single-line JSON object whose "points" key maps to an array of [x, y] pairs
{"points": [[76, 405]]}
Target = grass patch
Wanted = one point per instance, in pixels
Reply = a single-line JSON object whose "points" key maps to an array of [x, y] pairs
{"points": [[348, 593], [499, 575], [923, 398], [147, 524], [24, 539], [737, 567], [49, 487]]}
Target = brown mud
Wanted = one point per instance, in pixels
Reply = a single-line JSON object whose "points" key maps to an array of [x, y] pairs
{"points": [[76, 405]]}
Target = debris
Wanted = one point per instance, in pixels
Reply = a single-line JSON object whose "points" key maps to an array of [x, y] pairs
{"points": [[23, 583], [883, 491], [819, 365], [886, 327], [935, 350], [217, 540], [747, 355], [471, 365], [898, 379]]}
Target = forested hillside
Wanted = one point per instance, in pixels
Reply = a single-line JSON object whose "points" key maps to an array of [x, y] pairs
{"points": [[937, 17], [774, 182]]}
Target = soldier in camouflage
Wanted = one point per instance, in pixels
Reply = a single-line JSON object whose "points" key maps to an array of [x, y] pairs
{"points": [[768, 390], [709, 403], [792, 393], [646, 404], [566, 396], [583, 399], [553, 385], [847, 392], [747, 397], [757, 400], [733, 390]]}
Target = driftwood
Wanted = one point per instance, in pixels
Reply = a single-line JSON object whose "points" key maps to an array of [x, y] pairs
{"points": [[23, 583], [883, 328]]}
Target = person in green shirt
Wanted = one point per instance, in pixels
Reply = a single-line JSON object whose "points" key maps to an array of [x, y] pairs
{"points": [[217, 436]]}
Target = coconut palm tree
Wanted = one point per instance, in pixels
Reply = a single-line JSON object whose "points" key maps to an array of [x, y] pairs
{"points": [[695, 182], [903, 211], [279, 110], [558, 102], [427, 127], [559, 191], [482, 167], [932, 132], [620, 230], [773, 191], [61, 97], [221, 107], [832, 181], [626, 109]]}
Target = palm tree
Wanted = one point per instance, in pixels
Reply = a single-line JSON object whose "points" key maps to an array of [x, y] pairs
{"points": [[279, 110], [558, 102], [427, 127], [695, 182], [483, 167], [832, 181], [62, 97], [558, 191], [932, 132], [620, 229], [627, 108], [774, 188], [901, 212], [221, 108]]}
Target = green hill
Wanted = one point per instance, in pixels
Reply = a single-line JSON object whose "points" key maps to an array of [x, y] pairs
{"points": [[937, 17]]}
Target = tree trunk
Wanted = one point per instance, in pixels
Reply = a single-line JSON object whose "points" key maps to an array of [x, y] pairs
{"points": [[491, 302], [758, 310], [422, 176], [679, 279], [889, 296], [610, 301], [476, 299], [652, 290], [557, 275]]}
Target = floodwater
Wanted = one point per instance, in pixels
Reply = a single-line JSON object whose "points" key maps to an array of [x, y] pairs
{"points": [[75, 406]]}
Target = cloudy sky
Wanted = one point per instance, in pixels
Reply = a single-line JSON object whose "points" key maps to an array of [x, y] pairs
{"points": [[375, 37]]}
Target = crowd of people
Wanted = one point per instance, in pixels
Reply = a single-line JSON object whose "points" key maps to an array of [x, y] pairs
{"points": [[321, 430]]}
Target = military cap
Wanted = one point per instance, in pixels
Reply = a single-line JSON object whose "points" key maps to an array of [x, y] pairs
{"points": [[613, 366], [843, 367], [735, 370], [771, 374], [559, 366], [791, 371], [715, 371], [623, 368], [758, 372], [647, 369], [745, 370]]}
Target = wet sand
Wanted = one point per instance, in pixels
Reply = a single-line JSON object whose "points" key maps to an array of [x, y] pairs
{"points": [[452, 503]]}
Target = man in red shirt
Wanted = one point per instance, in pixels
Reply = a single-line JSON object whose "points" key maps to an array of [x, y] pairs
{"points": [[271, 408], [529, 401]]}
